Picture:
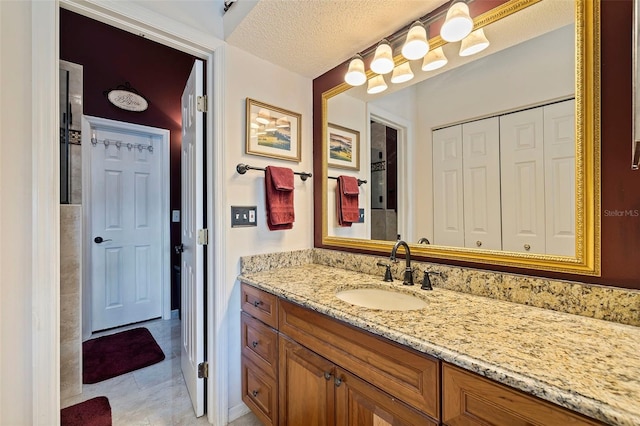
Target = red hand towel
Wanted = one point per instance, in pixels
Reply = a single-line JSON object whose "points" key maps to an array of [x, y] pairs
{"points": [[347, 193], [279, 197]]}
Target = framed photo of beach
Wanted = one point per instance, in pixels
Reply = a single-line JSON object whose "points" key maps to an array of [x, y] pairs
{"points": [[343, 147], [272, 132]]}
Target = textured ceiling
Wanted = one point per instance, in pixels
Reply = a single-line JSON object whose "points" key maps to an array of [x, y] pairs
{"points": [[310, 37]]}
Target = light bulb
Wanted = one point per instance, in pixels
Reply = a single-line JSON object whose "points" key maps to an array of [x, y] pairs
{"points": [[458, 23], [383, 60], [416, 44]]}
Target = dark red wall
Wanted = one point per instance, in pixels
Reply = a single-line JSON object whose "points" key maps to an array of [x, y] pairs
{"points": [[620, 185], [110, 57]]}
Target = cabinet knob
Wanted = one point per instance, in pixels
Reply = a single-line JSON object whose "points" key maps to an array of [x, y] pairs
{"points": [[254, 393], [527, 247], [327, 375], [478, 243], [257, 303], [338, 382], [254, 343]]}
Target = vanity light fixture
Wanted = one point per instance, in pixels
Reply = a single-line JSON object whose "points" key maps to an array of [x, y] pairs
{"points": [[376, 85], [402, 73], [416, 44], [435, 59], [474, 43], [356, 76], [458, 24], [383, 59]]}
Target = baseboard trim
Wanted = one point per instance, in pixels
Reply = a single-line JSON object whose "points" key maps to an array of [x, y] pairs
{"points": [[238, 411]]}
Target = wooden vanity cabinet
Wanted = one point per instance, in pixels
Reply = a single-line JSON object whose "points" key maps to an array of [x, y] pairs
{"points": [[472, 400]]}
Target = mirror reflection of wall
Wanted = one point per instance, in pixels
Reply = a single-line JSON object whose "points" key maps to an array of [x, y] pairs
{"points": [[70, 136], [384, 178]]}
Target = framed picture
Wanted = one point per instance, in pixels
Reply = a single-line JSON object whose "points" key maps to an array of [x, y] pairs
{"points": [[272, 132], [343, 147]]}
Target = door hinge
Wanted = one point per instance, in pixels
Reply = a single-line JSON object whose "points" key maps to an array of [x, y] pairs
{"points": [[203, 237], [202, 103], [203, 370]]}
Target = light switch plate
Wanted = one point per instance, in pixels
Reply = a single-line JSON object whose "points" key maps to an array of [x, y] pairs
{"points": [[175, 216], [242, 216]]}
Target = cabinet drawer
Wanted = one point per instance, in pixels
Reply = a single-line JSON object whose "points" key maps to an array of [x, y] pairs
{"points": [[469, 399], [260, 304], [408, 375], [260, 344], [259, 392]]}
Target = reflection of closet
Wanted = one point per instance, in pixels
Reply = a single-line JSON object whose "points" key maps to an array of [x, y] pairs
{"points": [[507, 182]]}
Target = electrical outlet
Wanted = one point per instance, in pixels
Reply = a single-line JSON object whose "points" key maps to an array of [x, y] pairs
{"points": [[243, 216]]}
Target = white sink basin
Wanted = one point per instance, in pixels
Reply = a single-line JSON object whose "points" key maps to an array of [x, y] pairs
{"points": [[387, 300]]}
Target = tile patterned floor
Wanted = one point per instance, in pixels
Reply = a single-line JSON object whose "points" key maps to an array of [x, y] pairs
{"points": [[155, 395]]}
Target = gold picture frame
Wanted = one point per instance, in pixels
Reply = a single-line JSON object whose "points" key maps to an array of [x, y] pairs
{"points": [[272, 132], [343, 147]]}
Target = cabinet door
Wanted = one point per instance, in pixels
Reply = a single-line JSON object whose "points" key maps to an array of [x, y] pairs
{"points": [[560, 172], [306, 386], [448, 207], [522, 177], [481, 164], [359, 403]]}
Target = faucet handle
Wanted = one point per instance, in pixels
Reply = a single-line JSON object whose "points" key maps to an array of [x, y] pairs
{"points": [[387, 271]]}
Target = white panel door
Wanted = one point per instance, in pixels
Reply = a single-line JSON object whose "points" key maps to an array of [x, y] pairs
{"points": [[192, 271], [448, 208], [126, 251], [559, 165], [522, 177], [481, 163]]}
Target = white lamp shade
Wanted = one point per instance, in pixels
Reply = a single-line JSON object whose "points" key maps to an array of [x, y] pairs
{"points": [[402, 73], [474, 43], [376, 85], [383, 60], [435, 59], [355, 75], [458, 23], [416, 44]]}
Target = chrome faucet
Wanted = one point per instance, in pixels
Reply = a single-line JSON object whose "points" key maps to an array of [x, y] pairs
{"points": [[408, 276]]}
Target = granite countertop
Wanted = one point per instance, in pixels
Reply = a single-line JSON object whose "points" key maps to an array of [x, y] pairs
{"points": [[587, 365]]}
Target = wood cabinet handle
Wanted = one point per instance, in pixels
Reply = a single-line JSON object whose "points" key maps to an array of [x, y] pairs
{"points": [[527, 247], [327, 375], [338, 382], [257, 303], [254, 343], [478, 243], [254, 393]]}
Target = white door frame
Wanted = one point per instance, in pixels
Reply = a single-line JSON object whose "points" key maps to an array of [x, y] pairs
{"points": [[88, 123], [46, 172], [405, 154]]}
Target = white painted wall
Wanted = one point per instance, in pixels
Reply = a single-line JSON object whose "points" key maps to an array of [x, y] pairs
{"points": [[249, 76], [16, 391], [350, 112]]}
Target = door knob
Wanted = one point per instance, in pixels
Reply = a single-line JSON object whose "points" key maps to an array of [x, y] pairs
{"points": [[179, 248], [99, 240]]}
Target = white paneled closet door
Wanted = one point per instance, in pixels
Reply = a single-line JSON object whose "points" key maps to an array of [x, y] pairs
{"points": [[481, 164], [448, 199], [522, 169], [560, 191]]}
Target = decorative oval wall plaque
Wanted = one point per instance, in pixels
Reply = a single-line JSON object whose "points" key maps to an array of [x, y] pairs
{"points": [[127, 100]]}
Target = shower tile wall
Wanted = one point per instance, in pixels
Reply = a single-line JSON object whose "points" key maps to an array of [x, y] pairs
{"points": [[70, 300], [75, 136]]}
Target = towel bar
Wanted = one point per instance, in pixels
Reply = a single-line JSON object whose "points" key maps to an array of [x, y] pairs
{"points": [[242, 169], [360, 181]]}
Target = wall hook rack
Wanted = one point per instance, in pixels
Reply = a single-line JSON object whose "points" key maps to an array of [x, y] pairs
{"points": [[242, 169]]}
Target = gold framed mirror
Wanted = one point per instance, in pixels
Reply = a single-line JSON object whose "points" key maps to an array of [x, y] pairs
{"points": [[585, 260]]}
